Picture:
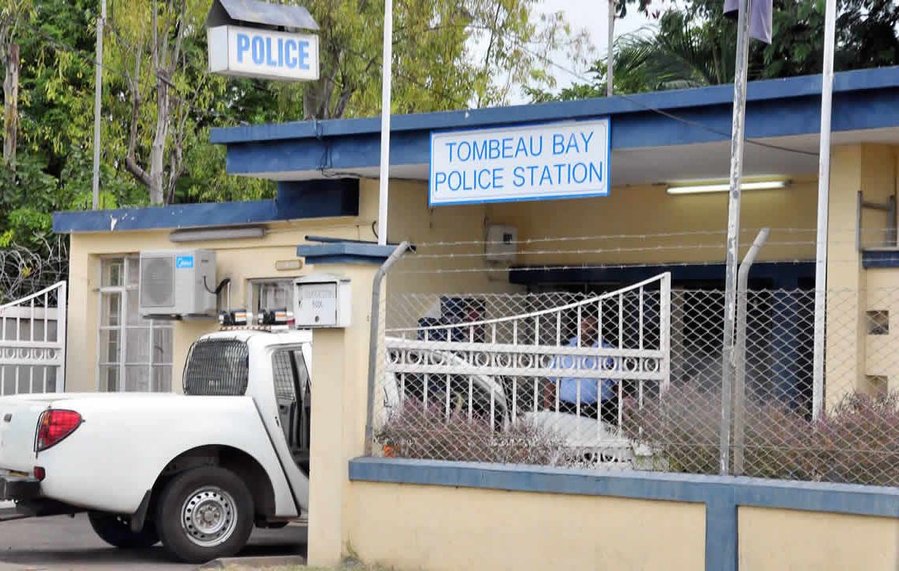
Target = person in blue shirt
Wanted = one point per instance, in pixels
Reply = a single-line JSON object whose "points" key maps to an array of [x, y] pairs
{"points": [[596, 396]]}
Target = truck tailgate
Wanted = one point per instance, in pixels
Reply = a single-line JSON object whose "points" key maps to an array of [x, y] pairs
{"points": [[18, 424]]}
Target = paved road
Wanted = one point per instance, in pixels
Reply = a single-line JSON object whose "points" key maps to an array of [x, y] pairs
{"points": [[63, 543]]}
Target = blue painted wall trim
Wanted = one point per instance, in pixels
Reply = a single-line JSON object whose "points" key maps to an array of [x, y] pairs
{"points": [[880, 259], [721, 495], [344, 252], [865, 99], [314, 199]]}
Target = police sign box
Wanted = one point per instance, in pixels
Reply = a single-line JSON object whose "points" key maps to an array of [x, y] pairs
{"points": [[530, 162], [253, 52]]}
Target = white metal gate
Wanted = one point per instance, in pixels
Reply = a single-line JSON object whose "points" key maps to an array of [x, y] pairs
{"points": [[33, 342], [510, 367]]}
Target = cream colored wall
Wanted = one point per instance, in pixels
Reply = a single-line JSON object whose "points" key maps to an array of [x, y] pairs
{"points": [[411, 219], [431, 528], [339, 404], [881, 364], [665, 228], [782, 540], [853, 355], [240, 260]]}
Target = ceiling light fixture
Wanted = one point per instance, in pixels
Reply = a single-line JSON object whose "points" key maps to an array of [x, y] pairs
{"points": [[725, 187], [219, 233]]}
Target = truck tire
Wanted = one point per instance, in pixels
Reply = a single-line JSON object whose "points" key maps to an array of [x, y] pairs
{"points": [[116, 531], [204, 514]]}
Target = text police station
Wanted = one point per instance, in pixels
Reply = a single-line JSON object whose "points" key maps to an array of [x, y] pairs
{"points": [[522, 163]]}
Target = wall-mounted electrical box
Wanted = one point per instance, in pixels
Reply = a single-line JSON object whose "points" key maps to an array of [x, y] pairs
{"points": [[502, 244], [322, 300]]}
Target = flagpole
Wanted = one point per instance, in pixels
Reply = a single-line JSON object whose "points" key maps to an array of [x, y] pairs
{"points": [[610, 55], [386, 80], [98, 89], [823, 209], [733, 232]]}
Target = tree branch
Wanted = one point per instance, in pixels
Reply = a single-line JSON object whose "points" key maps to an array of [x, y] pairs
{"points": [[131, 162]]}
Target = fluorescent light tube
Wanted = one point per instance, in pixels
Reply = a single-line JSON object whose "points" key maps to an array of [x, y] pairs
{"points": [[725, 187]]}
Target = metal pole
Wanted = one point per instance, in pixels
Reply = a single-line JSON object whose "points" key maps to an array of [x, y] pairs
{"points": [[740, 347], [823, 209], [733, 231], [610, 56], [98, 90], [386, 80], [373, 340]]}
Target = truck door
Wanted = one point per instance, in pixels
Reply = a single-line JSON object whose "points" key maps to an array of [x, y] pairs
{"points": [[293, 393]]}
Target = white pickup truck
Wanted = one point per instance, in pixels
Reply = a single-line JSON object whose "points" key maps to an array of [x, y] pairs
{"points": [[195, 471]]}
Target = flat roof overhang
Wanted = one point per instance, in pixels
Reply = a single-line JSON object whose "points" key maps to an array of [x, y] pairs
{"points": [[656, 137]]}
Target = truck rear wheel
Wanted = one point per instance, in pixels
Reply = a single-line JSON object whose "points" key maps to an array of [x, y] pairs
{"points": [[204, 514], [116, 531]]}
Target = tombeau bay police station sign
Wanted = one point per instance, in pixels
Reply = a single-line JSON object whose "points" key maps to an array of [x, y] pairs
{"points": [[533, 162]]}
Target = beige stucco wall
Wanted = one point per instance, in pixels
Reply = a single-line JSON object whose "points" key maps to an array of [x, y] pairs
{"points": [[339, 404], [853, 356], [662, 227], [439, 528], [649, 226], [240, 260], [783, 540]]}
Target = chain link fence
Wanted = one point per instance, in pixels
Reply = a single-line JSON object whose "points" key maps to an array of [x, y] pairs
{"points": [[632, 379]]}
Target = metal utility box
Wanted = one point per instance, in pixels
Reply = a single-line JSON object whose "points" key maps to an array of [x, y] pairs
{"points": [[177, 284], [502, 244], [322, 300]]}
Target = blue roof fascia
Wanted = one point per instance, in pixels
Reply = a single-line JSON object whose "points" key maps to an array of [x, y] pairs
{"points": [[344, 252], [758, 91], [175, 217], [867, 100], [312, 199]]}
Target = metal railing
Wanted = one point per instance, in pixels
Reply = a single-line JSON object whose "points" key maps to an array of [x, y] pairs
{"points": [[504, 378], [33, 342]]}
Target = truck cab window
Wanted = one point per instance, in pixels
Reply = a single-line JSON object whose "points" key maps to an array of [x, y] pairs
{"points": [[292, 391], [217, 367]]}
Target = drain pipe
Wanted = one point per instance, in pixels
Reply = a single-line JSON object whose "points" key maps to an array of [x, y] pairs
{"points": [[373, 339], [740, 349]]}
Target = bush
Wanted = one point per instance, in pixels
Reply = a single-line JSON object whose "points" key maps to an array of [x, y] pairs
{"points": [[417, 432], [856, 442]]}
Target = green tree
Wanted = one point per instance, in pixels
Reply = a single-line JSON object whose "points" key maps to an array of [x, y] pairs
{"points": [[159, 101], [696, 47]]}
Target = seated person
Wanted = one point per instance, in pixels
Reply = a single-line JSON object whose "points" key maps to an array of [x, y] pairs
{"points": [[597, 396]]}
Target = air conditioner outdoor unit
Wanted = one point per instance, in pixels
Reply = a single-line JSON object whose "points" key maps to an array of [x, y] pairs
{"points": [[177, 284]]}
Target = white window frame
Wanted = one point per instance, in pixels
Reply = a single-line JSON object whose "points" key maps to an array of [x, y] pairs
{"points": [[125, 290]]}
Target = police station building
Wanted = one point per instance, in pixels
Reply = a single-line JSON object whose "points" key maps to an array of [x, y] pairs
{"points": [[586, 195]]}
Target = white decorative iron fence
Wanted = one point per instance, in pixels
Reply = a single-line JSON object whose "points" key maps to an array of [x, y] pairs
{"points": [[33, 342], [521, 366]]}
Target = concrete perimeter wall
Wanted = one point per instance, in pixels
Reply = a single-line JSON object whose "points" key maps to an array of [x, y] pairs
{"points": [[447, 516]]}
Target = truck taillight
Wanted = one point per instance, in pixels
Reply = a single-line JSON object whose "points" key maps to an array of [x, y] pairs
{"points": [[54, 426]]}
